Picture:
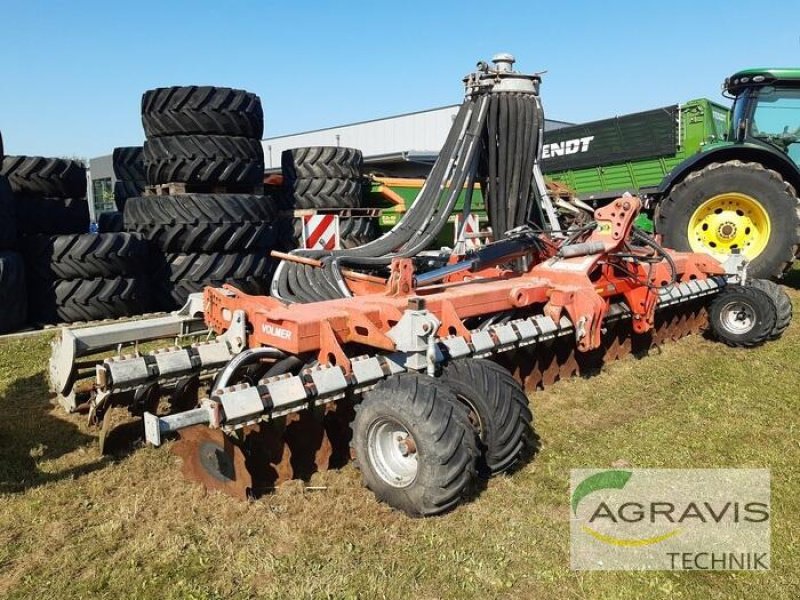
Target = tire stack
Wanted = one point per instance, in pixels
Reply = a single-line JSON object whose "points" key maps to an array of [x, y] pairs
{"points": [[328, 177], [71, 275], [128, 165], [13, 297], [208, 139], [322, 177]]}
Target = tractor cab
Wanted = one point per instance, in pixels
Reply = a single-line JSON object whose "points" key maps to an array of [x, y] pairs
{"points": [[766, 108]]}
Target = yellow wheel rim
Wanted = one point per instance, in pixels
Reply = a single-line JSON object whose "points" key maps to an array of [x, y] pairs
{"points": [[729, 221]]}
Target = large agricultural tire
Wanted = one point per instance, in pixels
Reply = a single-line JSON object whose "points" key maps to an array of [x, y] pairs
{"points": [[110, 222], [128, 163], [782, 302], [414, 445], [85, 256], [202, 110], [127, 189], [356, 231], [8, 216], [212, 159], [204, 222], [727, 205], [70, 300], [322, 162], [498, 410], [323, 193], [56, 177], [51, 216], [742, 316], [13, 295], [178, 275]]}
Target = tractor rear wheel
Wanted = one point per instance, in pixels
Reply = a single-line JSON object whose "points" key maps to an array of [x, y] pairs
{"points": [[498, 411], [414, 445], [743, 316], [734, 206]]}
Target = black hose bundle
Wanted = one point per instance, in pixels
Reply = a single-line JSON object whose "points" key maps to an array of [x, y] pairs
{"points": [[494, 139]]}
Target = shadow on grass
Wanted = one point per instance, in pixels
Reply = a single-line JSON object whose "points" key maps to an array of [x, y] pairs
{"points": [[29, 433], [792, 278]]}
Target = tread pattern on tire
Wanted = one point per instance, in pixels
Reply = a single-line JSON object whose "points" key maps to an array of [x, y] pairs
{"points": [[128, 163], [204, 222], [322, 162], [179, 275], [323, 193], [110, 222], [430, 407], [51, 216], [203, 159], [8, 216], [13, 295], [762, 330], [202, 110], [85, 256], [782, 302], [502, 408], [127, 189], [667, 209], [56, 177], [70, 300]]}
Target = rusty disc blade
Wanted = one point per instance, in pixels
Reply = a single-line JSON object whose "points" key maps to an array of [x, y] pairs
{"points": [[215, 460]]}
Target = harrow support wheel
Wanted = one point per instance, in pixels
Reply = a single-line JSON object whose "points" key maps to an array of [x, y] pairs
{"points": [[498, 411], [414, 445], [743, 316]]}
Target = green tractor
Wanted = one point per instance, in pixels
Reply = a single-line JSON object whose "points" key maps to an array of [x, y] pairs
{"points": [[740, 195]]}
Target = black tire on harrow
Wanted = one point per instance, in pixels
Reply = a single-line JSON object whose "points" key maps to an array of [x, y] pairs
{"points": [[37, 175], [128, 163], [202, 110], [13, 292], [782, 302], [743, 316], [498, 410], [110, 222], [204, 159], [442, 447], [51, 216], [70, 300], [8, 216], [204, 222], [179, 275], [323, 193], [322, 162], [85, 256]]}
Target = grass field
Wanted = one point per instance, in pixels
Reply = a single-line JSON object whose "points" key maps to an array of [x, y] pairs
{"points": [[75, 525]]}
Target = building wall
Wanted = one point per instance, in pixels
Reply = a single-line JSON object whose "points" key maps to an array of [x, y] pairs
{"points": [[421, 131]]}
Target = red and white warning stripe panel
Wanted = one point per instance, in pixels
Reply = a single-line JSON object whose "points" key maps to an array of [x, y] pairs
{"points": [[321, 232], [472, 231]]}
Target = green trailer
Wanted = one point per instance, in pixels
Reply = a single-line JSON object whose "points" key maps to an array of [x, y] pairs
{"points": [[632, 152]]}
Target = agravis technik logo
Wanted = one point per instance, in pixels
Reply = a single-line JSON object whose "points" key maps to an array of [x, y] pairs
{"points": [[705, 519]]}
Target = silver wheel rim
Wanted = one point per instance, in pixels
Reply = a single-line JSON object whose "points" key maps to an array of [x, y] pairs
{"points": [[392, 452], [738, 317]]}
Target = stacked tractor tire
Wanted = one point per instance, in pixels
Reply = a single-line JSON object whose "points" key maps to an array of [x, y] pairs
{"points": [[62, 273], [204, 214], [328, 177]]}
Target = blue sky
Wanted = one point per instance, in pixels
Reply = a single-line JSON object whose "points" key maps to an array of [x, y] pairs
{"points": [[72, 73]]}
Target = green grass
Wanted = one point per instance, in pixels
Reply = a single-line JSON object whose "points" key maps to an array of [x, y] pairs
{"points": [[75, 525]]}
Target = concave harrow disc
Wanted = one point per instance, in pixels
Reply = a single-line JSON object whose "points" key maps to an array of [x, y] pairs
{"points": [[268, 454], [544, 365]]}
